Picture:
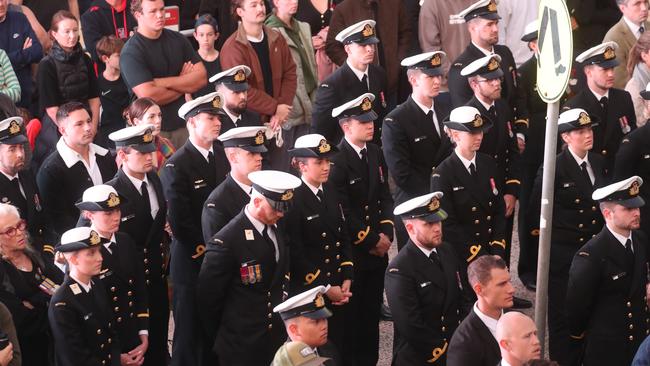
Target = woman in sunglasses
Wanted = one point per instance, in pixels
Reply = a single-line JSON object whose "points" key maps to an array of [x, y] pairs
{"points": [[27, 282]]}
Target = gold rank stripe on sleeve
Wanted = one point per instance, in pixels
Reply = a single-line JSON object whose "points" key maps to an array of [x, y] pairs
{"points": [[200, 250], [437, 352], [581, 336], [361, 235], [48, 248], [513, 181], [473, 251], [347, 263], [501, 243], [143, 315], [522, 121], [311, 277], [387, 222]]}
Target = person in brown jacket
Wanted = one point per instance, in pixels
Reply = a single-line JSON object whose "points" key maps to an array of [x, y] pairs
{"points": [[273, 80], [393, 28]]}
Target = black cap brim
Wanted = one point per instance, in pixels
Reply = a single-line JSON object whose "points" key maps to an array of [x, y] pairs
{"points": [[490, 16], [609, 64], [565, 127], [303, 152], [144, 148], [369, 116], [461, 127], [71, 247], [493, 74], [322, 313], [635, 202], [15, 140], [529, 37], [645, 94], [254, 149], [237, 87], [438, 71], [367, 41]]}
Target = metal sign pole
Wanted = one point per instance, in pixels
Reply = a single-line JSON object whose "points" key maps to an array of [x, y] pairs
{"points": [[546, 221]]}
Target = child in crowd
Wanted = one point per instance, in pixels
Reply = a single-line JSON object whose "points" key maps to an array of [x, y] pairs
{"points": [[206, 33], [114, 95]]}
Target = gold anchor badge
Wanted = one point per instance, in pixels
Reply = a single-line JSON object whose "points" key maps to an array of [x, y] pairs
{"points": [[493, 65], [240, 76], [583, 119], [14, 127], [609, 53], [634, 188], [435, 61], [319, 301], [94, 238], [324, 147], [259, 137], [478, 121], [287, 195], [368, 30], [147, 137], [366, 105], [492, 6], [113, 200], [434, 204], [216, 101]]}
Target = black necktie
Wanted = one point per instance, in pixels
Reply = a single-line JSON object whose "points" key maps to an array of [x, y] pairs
{"points": [[435, 258], [629, 253], [20, 201], [585, 173], [211, 158], [145, 196], [472, 170], [603, 104], [265, 235], [364, 155], [641, 29], [492, 112], [364, 81], [430, 118], [320, 195], [237, 122]]}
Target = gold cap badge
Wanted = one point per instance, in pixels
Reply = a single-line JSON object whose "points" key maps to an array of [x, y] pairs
{"points": [[634, 188], [492, 6], [478, 121], [609, 53], [435, 61], [287, 195], [493, 64], [147, 137], [14, 127], [366, 104], [259, 137], [368, 30], [434, 204], [240, 76], [216, 101], [583, 119], [113, 200], [319, 301], [324, 147], [94, 238]]}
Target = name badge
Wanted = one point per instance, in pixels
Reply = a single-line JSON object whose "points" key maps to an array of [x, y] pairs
{"points": [[309, 218], [249, 234], [459, 188], [619, 275], [425, 284], [128, 217], [200, 184], [354, 180], [420, 138]]}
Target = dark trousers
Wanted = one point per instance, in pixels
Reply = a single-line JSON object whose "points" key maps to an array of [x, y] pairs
{"points": [[158, 353], [362, 341], [188, 348], [558, 328], [527, 267], [337, 324]]}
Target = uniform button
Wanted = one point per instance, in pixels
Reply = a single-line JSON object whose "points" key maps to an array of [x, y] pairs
{"points": [[604, 152], [101, 346], [629, 315], [477, 234], [490, 231], [329, 274], [99, 331], [490, 203], [146, 271], [117, 308], [327, 247], [270, 326], [268, 294], [629, 304], [130, 293], [119, 319], [146, 261], [323, 235], [338, 243], [148, 281], [593, 222], [113, 289], [103, 362], [367, 218], [476, 222], [496, 156], [338, 270], [145, 250], [474, 209], [582, 239], [131, 315], [580, 226], [444, 329], [442, 318], [489, 218], [365, 207], [327, 260], [115, 298], [593, 208], [109, 342], [631, 327], [268, 304], [631, 338], [130, 303], [338, 256], [131, 280], [577, 200], [270, 316]]}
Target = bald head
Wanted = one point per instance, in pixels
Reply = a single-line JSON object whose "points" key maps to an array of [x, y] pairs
{"points": [[517, 337]]}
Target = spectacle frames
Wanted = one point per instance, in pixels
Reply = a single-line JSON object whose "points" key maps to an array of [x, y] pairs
{"points": [[13, 231]]}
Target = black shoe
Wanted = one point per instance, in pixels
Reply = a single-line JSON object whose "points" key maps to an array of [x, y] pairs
{"points": [[519, 303], [385, 313]]}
